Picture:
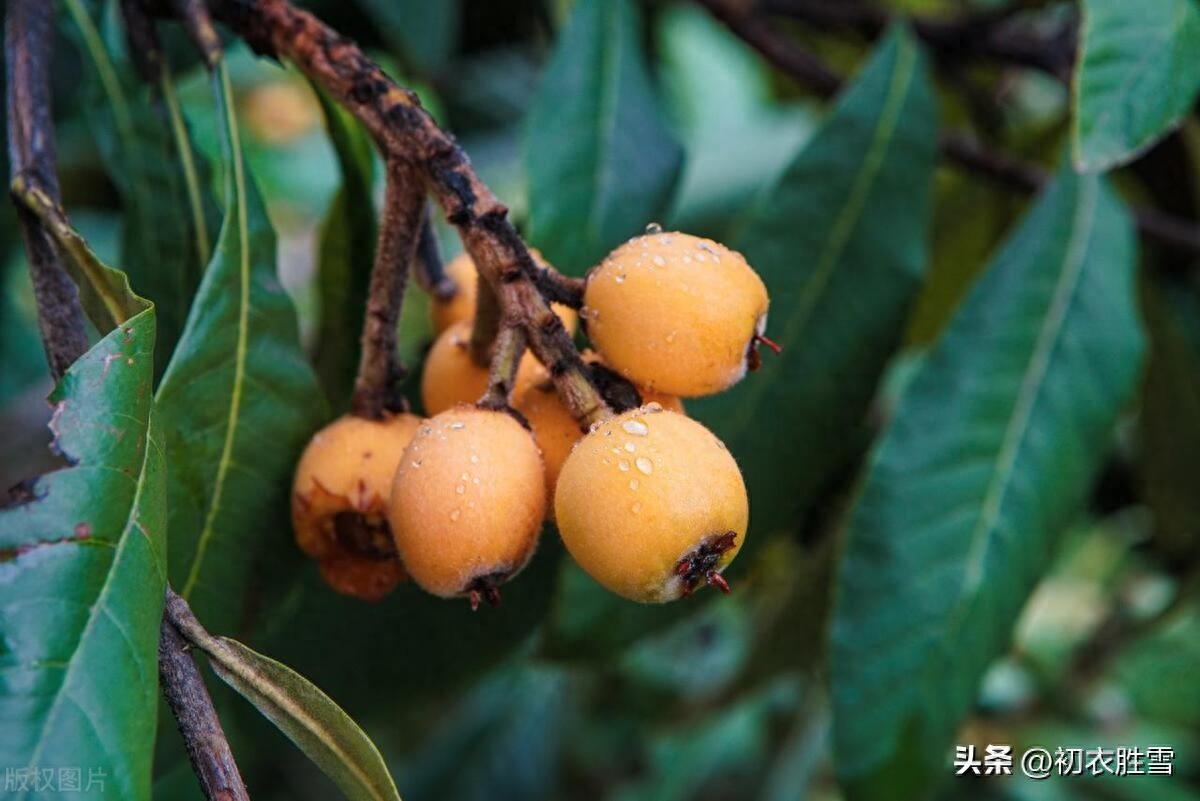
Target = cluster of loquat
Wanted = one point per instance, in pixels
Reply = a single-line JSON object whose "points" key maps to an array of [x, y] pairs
{"points": [[648, 501]]}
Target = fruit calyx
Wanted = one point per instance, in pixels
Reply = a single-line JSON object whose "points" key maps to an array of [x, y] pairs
{"points": [[701, 564]]}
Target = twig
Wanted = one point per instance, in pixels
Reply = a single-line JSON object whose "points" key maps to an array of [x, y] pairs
{"points": [[1158, 227], [405, 131], [379, 371], [485, 326], [187, 696], [559, 288], [28, 27]]}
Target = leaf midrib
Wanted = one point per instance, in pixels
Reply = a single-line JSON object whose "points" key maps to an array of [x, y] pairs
{"points": [[226, 460]]}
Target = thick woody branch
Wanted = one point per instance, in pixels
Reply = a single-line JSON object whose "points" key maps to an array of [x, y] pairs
{"points": [[187, 696], [376, 389], [29, 25], [403, 130], [960, 149]]}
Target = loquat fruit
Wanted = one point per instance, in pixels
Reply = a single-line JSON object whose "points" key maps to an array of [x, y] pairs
{"points": [[452, 377], [340, 497], [467, 503], [676, 313], [651, 505]]}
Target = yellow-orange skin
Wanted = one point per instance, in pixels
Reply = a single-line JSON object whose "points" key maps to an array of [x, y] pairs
{"points": [[467, 501], [348, 466], [461, 306], [675, 313], [642, 491], [452, 377], [556, 431]]}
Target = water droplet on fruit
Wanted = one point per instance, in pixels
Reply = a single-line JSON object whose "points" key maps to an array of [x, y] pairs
{"points": [[645, 465], [635, 427], [636, 508], [653, 228], [474, 458], [659, 261], [623, 466], [460, 489], [457, 426], [457, 513], [629, 446], [633, 483], [620, 278]]}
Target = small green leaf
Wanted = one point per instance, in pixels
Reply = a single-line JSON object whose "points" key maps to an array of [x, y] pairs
{"points": [[309, 717], [987, 460], [1136, 78], [236, 404], [82, 576], [600, 160], [345, 256], [168, 214], [840, 244]]}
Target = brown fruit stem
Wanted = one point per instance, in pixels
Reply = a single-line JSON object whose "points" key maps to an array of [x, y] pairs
{"points": [[509, 348], [486, 324], [379, 371], [404, 131]]}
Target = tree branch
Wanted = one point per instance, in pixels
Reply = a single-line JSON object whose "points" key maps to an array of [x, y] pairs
{"points": [[958, 148], [29, 26], [404, 131], [187, 696]]}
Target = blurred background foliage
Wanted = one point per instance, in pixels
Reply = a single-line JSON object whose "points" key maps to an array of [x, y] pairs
{"points": [[589, 120]]}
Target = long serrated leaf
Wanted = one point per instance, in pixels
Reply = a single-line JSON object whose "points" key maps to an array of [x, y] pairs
{"points": [[1137, 76], [236, 405], [840, 242], [986, 461], [601, 162], [310, 718], [345, 256], [144, 143], [82, 576]]}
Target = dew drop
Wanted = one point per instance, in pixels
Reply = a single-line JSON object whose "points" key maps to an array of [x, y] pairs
{"points": [[633, 483], [629, 446], [653, 228], [620, 278], [623, 466], [636, 508], [644, 465], [465, 476], [653, 406], [457, 426], [474, 458], [659, 261], [457, 513], [416, 464], [635, 427], [460, 489]]}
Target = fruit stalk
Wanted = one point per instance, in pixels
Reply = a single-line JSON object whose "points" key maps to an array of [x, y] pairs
{"points": [[510, 347], [379, 371], [405, 132]]}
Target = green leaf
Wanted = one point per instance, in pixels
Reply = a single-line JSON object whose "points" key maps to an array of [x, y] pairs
{"points": [[309, 717], [144, 143], [237, 403], [345, 256], [988, 458], [425, 33], [840, 244], [706, 67], [82, 576], [1136, 77], [600, 160]]}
